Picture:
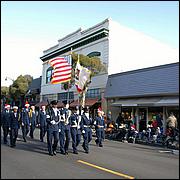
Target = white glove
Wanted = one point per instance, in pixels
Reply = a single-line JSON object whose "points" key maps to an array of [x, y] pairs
{"points": [[47, 116], [59, 130], [83, 131], [22, 124], [53, 122]]}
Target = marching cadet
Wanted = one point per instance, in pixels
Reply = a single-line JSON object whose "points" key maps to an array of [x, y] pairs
{"points": [[42, 122], [52, 118], [74, 123], [6, 122], [100, 125], [25, 121], [32, 118], [87, 132], [14, 126], [64, 129]]}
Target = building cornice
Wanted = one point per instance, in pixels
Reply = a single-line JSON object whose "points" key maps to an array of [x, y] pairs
{"points": [[101, 33]]}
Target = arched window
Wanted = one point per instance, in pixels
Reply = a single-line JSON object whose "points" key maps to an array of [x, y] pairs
{"points": [[93, 54], [49, 74]]}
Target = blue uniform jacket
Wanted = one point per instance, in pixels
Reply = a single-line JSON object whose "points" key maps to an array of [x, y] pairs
{"points": [[86, 121], [42, 119], [64, 115], [6, 118], [73, 120], [14, 121], [25, 117], [99, 121], [54, 127], [76, 119]]}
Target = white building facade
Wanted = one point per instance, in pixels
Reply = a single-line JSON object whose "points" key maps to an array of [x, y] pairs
{"points": [[119, 48]]}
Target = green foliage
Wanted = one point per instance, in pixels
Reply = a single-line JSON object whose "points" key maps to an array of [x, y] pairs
{"points": [[4, 91], [20, 86], [29, 78]]}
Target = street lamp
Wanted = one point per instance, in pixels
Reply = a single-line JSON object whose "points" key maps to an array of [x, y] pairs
{"points": [[11, 80]]}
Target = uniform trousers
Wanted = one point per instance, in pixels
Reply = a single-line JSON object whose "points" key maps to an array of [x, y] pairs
{"points": [[64, 137], [52, 134], [13, 136], [87, 136]]}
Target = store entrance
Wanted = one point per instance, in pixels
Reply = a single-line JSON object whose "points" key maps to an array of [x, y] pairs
{"points": [[142, 119]]}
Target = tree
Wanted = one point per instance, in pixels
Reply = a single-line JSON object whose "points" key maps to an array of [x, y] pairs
{"points": [[5, 94], [29, 78], [19, 88], [4, 91]]}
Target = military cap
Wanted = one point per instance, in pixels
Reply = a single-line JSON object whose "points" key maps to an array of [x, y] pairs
{"points": [[85, 109], [54, 102], [65, 102]]}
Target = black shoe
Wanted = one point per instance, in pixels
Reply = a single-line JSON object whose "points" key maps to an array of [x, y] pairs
{"points": [[12, 146], [63, 153], [75, 152], [54, 152], [5, 142], [41, 140], [86, 152], [83, 147], [25, 140], [51, 154], [100, 145], [66, 153]]}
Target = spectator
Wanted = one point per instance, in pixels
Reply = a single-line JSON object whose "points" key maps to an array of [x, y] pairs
{"points": [[172, 122], [120, 119]]}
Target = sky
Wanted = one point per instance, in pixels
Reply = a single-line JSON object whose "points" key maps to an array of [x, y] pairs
{"points": [[30, 27]]}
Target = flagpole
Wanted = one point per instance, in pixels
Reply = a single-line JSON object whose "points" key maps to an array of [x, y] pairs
{"points": [[69, 81], [68, 94], [79, 100]]}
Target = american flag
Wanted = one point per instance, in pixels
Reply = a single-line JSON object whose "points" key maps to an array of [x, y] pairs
{"points": [[62, 69]]}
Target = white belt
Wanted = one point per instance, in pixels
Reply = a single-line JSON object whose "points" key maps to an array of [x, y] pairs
{"points": [[74, 126], [101, 126], [86, 126], [62, 120]]}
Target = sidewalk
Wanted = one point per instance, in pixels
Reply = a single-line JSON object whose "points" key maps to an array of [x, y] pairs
{"points": [[170, 150]]}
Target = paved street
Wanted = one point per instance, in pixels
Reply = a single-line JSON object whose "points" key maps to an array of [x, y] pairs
{"points": [[116, 160]]}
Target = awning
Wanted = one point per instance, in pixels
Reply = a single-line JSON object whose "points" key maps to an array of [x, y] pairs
{"points": [[156, 101], [42, 103], [60, 104], [169, 101], [88, 102]]}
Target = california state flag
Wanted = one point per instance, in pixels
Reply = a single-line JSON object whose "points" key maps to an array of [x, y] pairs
{"points": [[82, 77]]}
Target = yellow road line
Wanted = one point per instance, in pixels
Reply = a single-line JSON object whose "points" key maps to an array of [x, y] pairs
{"points": [[107, 170]]}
